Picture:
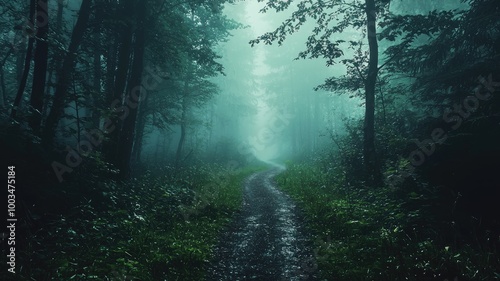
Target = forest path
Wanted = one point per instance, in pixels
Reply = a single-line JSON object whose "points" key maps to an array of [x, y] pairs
{"points": [[267, 240]]}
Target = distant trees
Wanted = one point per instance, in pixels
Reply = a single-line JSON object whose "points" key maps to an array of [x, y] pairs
{"points": [[206, 31], [101, 78], [333, 18], [404, 50]]}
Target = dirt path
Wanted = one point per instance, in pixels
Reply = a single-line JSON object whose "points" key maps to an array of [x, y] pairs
{"points": [[267, 240]]}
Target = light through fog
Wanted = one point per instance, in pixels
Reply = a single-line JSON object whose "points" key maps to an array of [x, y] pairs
{"points": [[275, 88], [207, 140]]}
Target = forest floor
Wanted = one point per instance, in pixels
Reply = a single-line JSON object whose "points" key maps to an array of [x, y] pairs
{"points": [[267, 240]]}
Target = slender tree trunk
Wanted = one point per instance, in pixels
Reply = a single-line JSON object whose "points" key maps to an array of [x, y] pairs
{"points": [[27, 62], [4, 90], [382, 99], [178, 154], [372, 171], [40, 68], [141, 124], [66, 73], [96, 94], [2, 77], [134, 91], [77, 113], [183, 123], [59, 16], [20, 61], [110, 71], [56, 61], [112, 146], [166, 147], [139, 139], [2, 84], [210, 128]]}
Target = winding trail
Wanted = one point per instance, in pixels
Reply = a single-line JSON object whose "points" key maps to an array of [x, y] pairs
{"points": [[267, 240]]}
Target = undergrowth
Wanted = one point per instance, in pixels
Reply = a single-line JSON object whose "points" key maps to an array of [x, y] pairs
{"points": [[386, 233], [148, 228]]}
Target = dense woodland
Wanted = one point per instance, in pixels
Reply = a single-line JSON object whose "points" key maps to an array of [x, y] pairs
{"points": [[130, 127]]}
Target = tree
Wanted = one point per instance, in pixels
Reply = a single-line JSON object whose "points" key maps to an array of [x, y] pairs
{"points": [[40, 68], [197, 90], [65, 73], [30, 29], [332, 18], [208, 27], [135, 89], [455, 73], [372, 171]]}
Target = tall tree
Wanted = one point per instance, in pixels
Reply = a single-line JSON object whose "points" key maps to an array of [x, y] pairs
{"points": [[372, 171], [208, 28], [126, 15], [40, 68], [333, 18], [134, 90], [65, 73], [30, 30]]}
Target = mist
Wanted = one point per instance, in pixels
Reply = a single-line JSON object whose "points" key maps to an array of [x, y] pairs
{"points": [[250, 140]]}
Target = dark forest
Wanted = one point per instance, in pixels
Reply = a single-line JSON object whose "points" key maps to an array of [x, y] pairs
{"points": [[269, 140]]}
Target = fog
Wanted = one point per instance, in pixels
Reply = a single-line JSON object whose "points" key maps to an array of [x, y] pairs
{"points": [[264, 140], [266, 107]]}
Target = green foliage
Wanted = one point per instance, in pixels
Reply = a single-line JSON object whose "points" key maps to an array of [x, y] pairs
{"points": [[383, 233], [148, 228]]}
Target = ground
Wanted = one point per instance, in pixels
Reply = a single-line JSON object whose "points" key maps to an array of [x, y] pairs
{"points": [[267, 240]]}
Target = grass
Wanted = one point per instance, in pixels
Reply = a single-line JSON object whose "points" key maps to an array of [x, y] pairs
{"points": [[377, 234], [150, 228]]}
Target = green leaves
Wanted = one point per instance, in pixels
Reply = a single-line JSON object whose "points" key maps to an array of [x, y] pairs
{"points": [[374, 235], [149, 228]]}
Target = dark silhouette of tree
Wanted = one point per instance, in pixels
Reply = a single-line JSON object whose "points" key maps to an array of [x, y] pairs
{"points": [[65, 73], [29, 30], [40, 68], [333, 18], [134, 89]]}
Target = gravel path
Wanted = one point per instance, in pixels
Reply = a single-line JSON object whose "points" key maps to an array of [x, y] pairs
{"points": [[267, 241]]}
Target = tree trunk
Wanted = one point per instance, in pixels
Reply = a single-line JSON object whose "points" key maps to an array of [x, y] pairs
{"points": [[96, 93], [2, 78], [372, 172], [66, 73], [135, 90], [111, 148], [20, 58], [56, 61], [4, 91], [141, 123], [40, 68], [178, 154], [27, 62], [110, 71]]}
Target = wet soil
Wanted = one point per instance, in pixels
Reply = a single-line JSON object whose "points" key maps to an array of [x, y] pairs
{"points": [[267, 240]]}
